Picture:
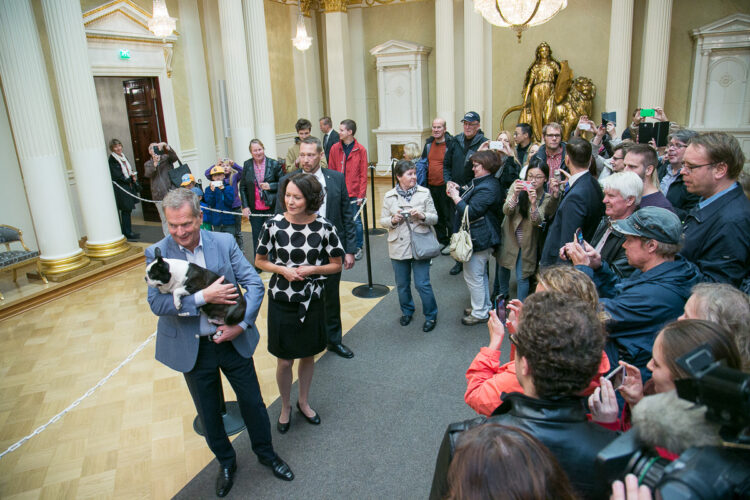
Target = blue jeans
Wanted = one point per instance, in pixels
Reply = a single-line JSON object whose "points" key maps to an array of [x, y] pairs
{"points": [[502, 280], [421, 268], [358, 224]]}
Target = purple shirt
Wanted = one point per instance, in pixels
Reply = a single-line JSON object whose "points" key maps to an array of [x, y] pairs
{"points": [[656, 199]]}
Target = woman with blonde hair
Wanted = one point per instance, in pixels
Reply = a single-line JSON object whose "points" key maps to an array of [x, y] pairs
{"points": [[487, 379]]}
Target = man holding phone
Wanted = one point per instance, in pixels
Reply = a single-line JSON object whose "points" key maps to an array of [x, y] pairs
{"points": [[157, 169]]}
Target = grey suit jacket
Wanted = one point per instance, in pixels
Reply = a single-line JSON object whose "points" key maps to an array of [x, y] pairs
{"points": [[339, 211], [177, 330]]}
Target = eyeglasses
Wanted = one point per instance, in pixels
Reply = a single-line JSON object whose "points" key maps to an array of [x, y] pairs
{"points": [[693, 167], [513, 340], [536, 177], [553, 135], [676, 145], [618, 158]]}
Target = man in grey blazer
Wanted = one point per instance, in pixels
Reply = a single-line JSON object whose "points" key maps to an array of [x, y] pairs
{"points": [[339, 212], [184, 342]]}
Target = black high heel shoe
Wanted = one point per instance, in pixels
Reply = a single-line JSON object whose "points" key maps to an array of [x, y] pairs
{"points": [[313, 420], [283, 428]]}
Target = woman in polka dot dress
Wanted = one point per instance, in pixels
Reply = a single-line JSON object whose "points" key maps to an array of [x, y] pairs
{"points": [[299, 247]]}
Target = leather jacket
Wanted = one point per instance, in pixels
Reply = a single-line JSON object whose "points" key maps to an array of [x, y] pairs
{"points": [[559, 423]]}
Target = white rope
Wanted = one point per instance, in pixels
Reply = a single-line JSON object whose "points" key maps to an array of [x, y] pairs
{"points": [[361, 207], [75, 403]]}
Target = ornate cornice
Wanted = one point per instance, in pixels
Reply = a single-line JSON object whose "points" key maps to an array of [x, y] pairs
{"points": [[337, 5], [334, 5]]}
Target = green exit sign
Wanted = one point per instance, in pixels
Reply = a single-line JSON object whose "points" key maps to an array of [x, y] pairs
{"points": [[124, 53]]}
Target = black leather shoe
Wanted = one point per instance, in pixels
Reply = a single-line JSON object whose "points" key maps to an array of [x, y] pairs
{"points": [[429, 325], [457, 268], [283, 428], [313, 420], [404, 320], [341, 350], [279, 467], [133, 236], [225, 480]]}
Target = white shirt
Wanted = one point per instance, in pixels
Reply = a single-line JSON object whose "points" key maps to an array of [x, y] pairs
{"points": [[321, 178], [574, 178]]}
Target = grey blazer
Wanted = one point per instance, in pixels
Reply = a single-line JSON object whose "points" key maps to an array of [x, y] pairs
{"points": [[176, 341]]}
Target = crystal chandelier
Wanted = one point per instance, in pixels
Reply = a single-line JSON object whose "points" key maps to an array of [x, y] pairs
{"points": [[301, 41], [518, 14], [161, 24]]}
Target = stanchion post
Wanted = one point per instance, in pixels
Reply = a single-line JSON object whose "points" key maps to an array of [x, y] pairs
{"points": [[393, 172], [375, 230], [369, 291]]}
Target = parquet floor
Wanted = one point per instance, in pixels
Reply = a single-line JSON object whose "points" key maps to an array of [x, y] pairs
{"points": [[133, 437]]}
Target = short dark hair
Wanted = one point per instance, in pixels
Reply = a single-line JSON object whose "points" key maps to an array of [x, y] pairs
{"points": [[525, 128], [562, 339], [680, 337], [313, 140], [488, 159], [579, 151], [350, 125], [403, 166], [646, 153], [488, 459], [722, 148], [310, 187], [326, 120], [625, 145], [303, 124]]}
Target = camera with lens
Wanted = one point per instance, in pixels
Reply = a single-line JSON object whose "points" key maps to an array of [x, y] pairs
{"points": [[700, 472]]}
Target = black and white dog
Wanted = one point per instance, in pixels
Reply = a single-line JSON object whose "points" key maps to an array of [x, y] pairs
{"points": [[181, 278]]}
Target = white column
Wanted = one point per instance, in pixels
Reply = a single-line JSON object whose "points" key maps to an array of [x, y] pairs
{"points": [[340, 99], [487, 117], [83, 123], [307, 73], [445, 79], [197, 85], [215, 74], [700, 112], [37, 138], [359, 90], [237, 77], [474, 62], [655, 55], [618, 62], [260, 74]]}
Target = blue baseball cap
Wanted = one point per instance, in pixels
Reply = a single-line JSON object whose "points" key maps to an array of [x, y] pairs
{"points": [[197, 191], [471, 116], [654, 223]]}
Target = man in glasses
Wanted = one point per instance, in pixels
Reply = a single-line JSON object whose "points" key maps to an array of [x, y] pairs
{"points": [[655, 294], [717, 229], [552, 152], [671, 183]]}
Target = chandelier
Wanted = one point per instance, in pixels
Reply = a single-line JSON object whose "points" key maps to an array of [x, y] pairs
{"points": [[301, 41], [518, 15], [161, 24]]}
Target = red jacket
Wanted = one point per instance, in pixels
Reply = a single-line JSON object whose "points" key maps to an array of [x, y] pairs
{"points": [[354, 168], [487, 380]]}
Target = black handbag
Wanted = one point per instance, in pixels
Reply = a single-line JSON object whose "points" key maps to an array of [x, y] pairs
{"points": [[175, 175]]}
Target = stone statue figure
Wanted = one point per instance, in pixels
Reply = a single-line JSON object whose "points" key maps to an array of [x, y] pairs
{"points": [[550, 94]]}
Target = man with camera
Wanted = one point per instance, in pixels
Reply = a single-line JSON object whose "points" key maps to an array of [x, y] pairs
{"points": [[558, 350]]}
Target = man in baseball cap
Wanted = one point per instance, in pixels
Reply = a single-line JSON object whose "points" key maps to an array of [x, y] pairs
{"points": [[654, 295]]}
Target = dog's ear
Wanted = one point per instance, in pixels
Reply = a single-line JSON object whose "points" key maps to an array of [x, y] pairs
{"points": [[157, 253]]}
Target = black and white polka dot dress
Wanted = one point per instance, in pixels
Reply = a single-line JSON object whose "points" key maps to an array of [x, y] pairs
{"points": [[296, 323]]}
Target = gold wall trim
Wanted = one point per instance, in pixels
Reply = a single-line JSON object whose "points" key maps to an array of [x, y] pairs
{"points": [[59, 266], [107, 249], [126, 39], [115, 2], [338, 5]]}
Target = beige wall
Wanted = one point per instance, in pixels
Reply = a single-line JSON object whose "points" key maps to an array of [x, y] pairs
{"points": [[579, 34], [411, 22], [280, 59]]}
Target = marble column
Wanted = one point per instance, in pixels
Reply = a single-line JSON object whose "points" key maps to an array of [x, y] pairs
{"points": [[340, 98], [237, 73], [445, 77], [197, 85], [83, 127], [37, 138], [655, 55], [307, 73], [260, 74], [474, 63], [359, 111], [618, 62]]}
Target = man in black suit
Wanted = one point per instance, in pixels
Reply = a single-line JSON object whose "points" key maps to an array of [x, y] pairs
{"points": [[580, 204], [330, 136], [339, 212]]}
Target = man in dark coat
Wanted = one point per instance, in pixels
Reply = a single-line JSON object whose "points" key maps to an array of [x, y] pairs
{"points": [[580, 206], [655, 294], [339, 212], [671, 182], [457, 162], [717, 230], [555, 361], [330, 136]]}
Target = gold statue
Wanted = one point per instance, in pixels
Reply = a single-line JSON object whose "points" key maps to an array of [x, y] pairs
{"points": [[551, 95]]}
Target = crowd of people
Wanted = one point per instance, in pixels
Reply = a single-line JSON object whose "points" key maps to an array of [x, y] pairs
{"points": [[625, 256]]}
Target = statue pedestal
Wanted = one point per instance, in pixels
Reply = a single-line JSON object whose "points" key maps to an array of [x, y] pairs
{"points": [[403, 98]]}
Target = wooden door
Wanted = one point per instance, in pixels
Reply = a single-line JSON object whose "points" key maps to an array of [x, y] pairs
{"points": [[146, 121]]}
